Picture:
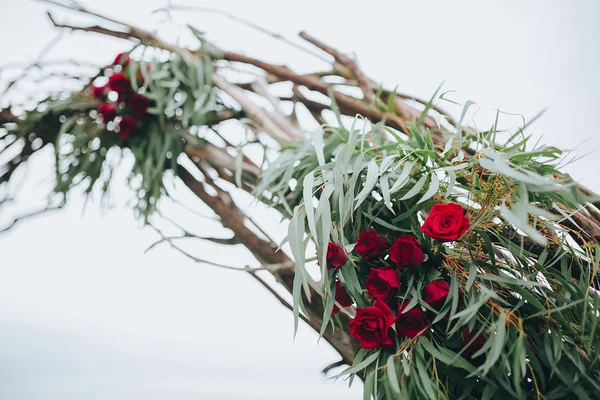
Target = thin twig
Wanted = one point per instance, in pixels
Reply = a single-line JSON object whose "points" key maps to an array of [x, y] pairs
{"points": [[364, 83], [249, 24], [77, 7], [273, 268], [253, 111], [188, 255], [260, 87], [283, 301], [29, 215]]}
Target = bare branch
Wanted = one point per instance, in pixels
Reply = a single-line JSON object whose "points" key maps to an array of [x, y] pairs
{"points": [[29, 215], [77, 7], [278, 296], [188, 255], [261, 29], [131, 33], [364, 83], [267, 254], [255, 112]]}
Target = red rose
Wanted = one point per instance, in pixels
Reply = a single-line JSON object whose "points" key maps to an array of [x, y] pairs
{"points": [[108, 111], [372, 326], [474, 347], [342, 297], [124, 57], [119, 83], [435, 293], [446, 222], [138, 104], [411, 323], [335, 256], [370, 244], [406, 252], [382, 283], [98, 91], [126, 127]]}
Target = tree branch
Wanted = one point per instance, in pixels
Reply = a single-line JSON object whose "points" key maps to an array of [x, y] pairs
{"points": [[266, 253]]}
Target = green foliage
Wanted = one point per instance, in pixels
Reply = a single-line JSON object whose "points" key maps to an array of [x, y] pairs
{"points": [[516, 277], [88, 149]]}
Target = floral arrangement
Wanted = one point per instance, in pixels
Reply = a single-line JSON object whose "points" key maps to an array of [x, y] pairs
{"points": [[129, 105], [448, 264], [452, 263], [145, 108]]}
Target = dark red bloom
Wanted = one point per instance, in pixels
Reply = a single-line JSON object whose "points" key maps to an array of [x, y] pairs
{"points": [[406, 252], [413, 322], [98, 91], [372, 326], [370, 244], [470, 349], [108, 111], [139, 104], [126, 127], [446, 222], [335, 256], [383, 283], [122, 59], [435, 293], [119, 83], [342, 297]]}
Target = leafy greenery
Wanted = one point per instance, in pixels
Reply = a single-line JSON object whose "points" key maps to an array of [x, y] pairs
{"points": [[520, 278], [516, 277], [88, 150]]}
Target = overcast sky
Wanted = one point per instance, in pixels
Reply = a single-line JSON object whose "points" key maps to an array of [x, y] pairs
{"points": [[84, 313]]}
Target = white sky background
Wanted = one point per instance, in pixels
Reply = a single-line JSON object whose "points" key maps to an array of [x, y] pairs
{"points": [[85, 314]]}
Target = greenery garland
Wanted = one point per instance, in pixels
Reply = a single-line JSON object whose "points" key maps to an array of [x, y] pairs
{"points": [[456, 264]]}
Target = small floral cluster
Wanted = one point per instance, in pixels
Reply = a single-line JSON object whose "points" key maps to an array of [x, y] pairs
{"points": [[130, 106], [376, 326]]}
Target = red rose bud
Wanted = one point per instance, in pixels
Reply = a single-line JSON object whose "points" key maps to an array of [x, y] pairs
{"points": [[474, 347], [411, 323], [108, 111], [98, 91], [372, 326], [446, 222], [119, 83], [342, 297], [335, 256], [139, 104], [126, 127], [383, 283], [370, 244], [122, 59], [435, 293], [406, 252]]}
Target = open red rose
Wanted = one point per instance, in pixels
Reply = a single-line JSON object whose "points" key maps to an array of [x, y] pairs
{"points": [[435, 293], [446, 222], [372, 326], [474, 347], [342, 297], [413, 322], [122, 59], [370, 244], [126, 127], [383, 283], [335, 256], [119, 83], [139, 104], [108, 111], [406, 252]]}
